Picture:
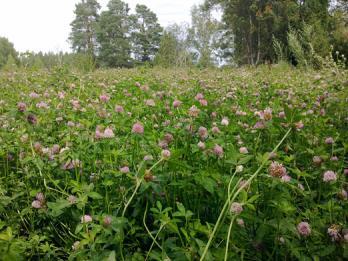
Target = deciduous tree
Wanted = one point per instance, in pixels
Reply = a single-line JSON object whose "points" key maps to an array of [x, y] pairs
{"points": [[6, 50]]}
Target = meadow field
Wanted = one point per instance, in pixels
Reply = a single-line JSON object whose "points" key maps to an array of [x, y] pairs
{"points": [[180, 164]]}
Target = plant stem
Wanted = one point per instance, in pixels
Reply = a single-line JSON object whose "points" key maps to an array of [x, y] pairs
{"points": [[228, 200], [228, 237]]}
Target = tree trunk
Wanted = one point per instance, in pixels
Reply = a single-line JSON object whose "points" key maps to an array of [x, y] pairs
{"points": [[258, 43], [251, 40]]}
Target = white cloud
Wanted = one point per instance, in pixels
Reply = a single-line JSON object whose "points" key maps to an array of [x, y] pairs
{"points": [[44, 25]]}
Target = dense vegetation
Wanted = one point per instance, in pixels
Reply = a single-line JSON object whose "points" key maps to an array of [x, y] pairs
{"points": [[251, 32], [171, 158], [242, 164]]}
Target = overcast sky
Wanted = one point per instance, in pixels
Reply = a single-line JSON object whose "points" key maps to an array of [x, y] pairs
{"points": [[44, 25]]}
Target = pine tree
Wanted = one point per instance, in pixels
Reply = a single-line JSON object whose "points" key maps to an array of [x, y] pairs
{"points": [[146, 34], [113, 35], [83, 27]]}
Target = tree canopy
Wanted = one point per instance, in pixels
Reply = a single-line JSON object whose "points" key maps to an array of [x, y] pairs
{"points": [[7, 51]]}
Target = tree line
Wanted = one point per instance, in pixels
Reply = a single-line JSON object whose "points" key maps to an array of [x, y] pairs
{"points": [[295, 30], [118, 38], [250, 32], [302, 32]]}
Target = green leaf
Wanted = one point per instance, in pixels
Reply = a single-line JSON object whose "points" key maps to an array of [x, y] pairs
{"points": [[6, 235], [57, 208], [245, 159], [94, 195], [207, 183], [111, 257]]}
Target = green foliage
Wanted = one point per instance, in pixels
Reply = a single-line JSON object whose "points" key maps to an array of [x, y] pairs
{"points": [[172, 51], [254, 24], [296, 48], [279, 50], [83, 27], [146, 34], [339, 39], [80, 182], [82, 62], [11, 64], [7, 51], [301, 47], [112, 35], [202, 35], [167, 53]]}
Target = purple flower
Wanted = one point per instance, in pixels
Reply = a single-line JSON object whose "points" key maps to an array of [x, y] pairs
{"points": [[317, 160], [203, 102], [40, 197], [55, 149], [124, 170], [329, 176], [199, 96], [148, 157], [163, 144], [277, 170], [86, 219], [176, 103], [267, 114], [203, 133], [31, 118], [119, 109], [218, 150], [333, 232], [304, 229], [165, 154], [259, 125], [21, 106], [299, 125], [334, 158], [34, 95], [42, 105], [243, 150], [194, 111], [72, 199], [138, 128], [108, 133], [236, 208], [286, 178], [215, 130], [36, 204], [240, 222], [329, 140], [201, 145], [281, 115], [107, 221], [104, 98], [225, 121], [168, 138]]}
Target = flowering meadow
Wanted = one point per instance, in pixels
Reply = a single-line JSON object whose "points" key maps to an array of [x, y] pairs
{"points": [[155, 164]]}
